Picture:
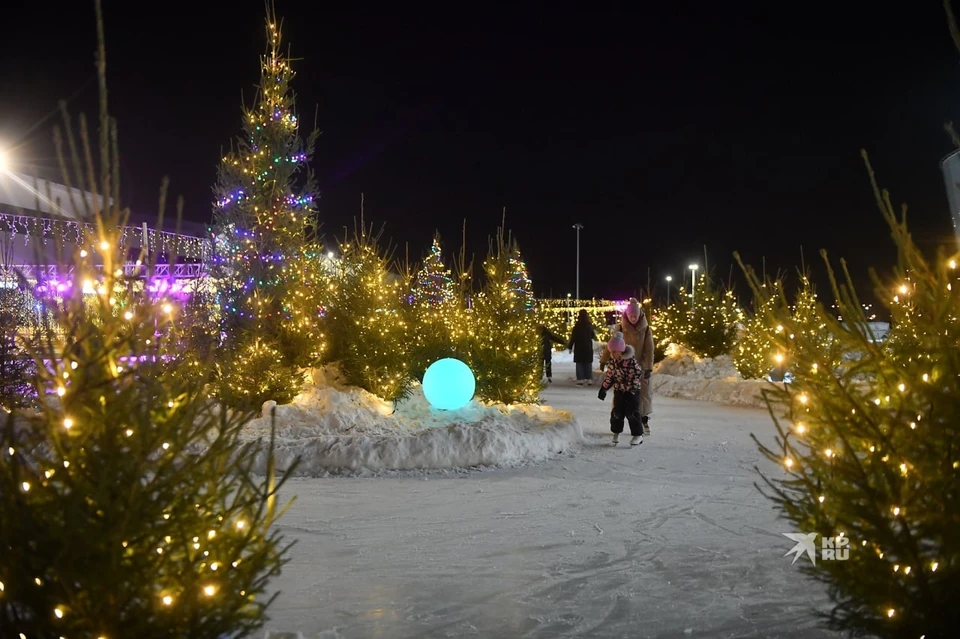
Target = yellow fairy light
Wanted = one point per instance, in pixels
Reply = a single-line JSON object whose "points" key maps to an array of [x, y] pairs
{"points": [[896, 510], [167, 309], [104, 245], [26, 486], [801, 429], [926, 377], [58, 611], [67, 423], [128, 316], [66, 464], [129, 432], [913, 425], [167, 600], [61, 391], [159, 551], [214, 566], [903, 468], [166, 445], [788, 462], [209, 591], [902, 387], [83, 252], [821, 498], [952, 264], [933, 567], [828, 452], [37, 581], [891, 612], [803, 399], [211, 534], [896, 567], [906, 570], [241, 524]]}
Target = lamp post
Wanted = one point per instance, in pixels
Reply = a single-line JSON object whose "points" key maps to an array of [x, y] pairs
{"points": [[693, 283], [669, 279], [578, 227]]}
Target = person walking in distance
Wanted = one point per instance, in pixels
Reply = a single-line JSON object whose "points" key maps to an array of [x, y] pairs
{"points": [[623, 375], [547, 337], [636, 333], [581, 343]]}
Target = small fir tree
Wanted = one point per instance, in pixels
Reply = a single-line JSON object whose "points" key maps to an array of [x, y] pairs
{"points": [[129, 505], [707, 325], [869, 445], [505, 356], [370, 321], [438, 312], [265, 224]]}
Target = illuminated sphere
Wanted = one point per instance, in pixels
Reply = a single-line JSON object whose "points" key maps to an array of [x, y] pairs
{"points": [[448, 384]]}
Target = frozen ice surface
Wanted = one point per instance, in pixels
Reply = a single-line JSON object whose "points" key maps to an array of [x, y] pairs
{"points": [[670, 539]]}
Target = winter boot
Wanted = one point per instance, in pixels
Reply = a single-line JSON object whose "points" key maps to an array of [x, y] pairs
{"points": [[616, 438], [636, 441], [646, 425]]}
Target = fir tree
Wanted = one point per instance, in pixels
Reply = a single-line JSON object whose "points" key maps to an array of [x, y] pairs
{"points": [[505, 356], [869, 442], [707, 324], [265, 222], [370, 321], [128, 503], [438, 313]]}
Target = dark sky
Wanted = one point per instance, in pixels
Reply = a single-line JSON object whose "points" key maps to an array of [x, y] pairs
{"points": [[661, 129]]}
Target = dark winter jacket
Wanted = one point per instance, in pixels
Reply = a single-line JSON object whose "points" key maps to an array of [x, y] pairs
{"points": [[623, 374], [547, 336], [581, 341]]}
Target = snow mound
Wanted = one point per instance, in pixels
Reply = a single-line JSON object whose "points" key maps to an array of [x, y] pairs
{"points": [[684, 375], [334, 428], [682, 362]]}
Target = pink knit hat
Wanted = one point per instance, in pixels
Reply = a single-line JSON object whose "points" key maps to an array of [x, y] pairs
{"points": [[617, 345]]}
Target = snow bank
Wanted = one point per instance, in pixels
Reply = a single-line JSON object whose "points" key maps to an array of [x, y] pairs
{"points": [[334, 428], [682, 374]]}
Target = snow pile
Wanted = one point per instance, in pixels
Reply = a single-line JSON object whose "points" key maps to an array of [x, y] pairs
{"points": [[683, 374], [335, 428]]}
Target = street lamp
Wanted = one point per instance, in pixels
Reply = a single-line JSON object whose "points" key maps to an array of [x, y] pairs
{"points": [[578, 227], [693, 282], [669, 279]]}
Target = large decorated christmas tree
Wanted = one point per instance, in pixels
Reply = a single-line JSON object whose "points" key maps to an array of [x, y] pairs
{"points": [[266, 265], [128, 503], [868, 443]]}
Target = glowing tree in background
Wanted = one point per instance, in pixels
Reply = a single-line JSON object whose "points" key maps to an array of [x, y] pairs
{"points": [[708, 325], [266, 266], [438, 313], [505, 353], [128, 503], [869, 442], [760, 351]]}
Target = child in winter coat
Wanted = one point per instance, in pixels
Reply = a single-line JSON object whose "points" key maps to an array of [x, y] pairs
{"points": [[624, 376]]}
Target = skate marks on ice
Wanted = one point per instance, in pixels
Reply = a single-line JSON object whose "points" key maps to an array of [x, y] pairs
{"points": [[600, 543]]}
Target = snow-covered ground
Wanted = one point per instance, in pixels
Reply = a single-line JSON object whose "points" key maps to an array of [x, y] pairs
{"points": [[670, 539]]}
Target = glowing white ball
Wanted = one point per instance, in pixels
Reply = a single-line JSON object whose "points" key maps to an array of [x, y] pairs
{"points": [[449, 384]]}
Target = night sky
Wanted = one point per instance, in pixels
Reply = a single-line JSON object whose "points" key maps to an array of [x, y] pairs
{"points": [[661, 130]]}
